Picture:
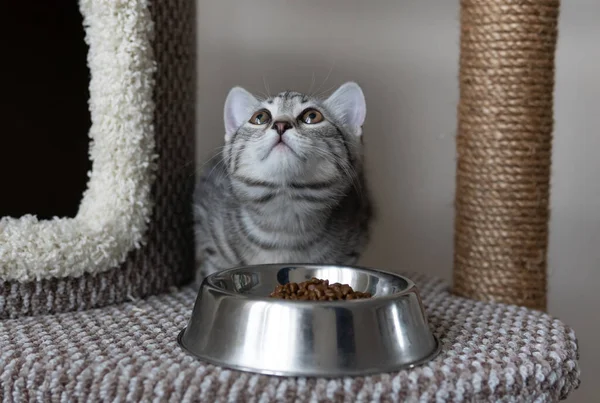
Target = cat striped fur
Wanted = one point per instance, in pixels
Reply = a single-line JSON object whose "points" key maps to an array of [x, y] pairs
{"points": [[289, 184]]}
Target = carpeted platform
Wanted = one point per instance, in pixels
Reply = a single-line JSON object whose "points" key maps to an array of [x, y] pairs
{"points": [[129, 352]]}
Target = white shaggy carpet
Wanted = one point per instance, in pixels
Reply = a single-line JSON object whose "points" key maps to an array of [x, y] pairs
{"points": [[115, 210]]}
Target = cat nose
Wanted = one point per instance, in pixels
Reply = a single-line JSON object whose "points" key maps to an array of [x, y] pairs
{"points": [[281, 127]]}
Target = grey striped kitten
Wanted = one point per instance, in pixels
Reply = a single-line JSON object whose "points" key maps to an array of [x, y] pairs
{"points": [[289, 187]]}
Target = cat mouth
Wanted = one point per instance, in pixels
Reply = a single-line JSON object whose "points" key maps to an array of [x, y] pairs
{"points": [[281, 146]]}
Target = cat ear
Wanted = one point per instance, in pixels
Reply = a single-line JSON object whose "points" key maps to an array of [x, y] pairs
{"points": [[238, 108], [348, 104]]}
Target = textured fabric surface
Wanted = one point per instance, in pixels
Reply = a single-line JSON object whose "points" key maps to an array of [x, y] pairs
{"points": [[504, 149], [113, 215], [167, 259], [129, 352]]}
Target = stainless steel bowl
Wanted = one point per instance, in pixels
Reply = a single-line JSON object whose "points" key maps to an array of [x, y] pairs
{"points": [[235, 324]]}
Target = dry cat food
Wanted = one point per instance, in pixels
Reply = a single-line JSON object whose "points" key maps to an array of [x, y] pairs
{"points": [[317, 290]]}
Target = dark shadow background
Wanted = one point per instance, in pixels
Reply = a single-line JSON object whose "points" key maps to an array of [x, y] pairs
{"points": [[44, 118]]}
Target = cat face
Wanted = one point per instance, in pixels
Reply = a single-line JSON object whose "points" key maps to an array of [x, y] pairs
{"points": [[292, 138]]}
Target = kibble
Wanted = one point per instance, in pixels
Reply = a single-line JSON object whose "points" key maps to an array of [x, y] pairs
{"points": [[317, 290]]}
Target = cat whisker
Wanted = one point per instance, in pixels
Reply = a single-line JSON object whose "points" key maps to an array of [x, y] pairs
{"points": [[266, 84], [324, 81], [312, 84], [221, 161], [322, 93], [218, 151]]}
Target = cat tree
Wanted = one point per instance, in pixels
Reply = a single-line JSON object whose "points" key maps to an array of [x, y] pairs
{"points": [[130, 244]]}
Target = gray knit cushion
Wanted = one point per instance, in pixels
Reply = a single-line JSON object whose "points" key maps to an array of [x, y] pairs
{"points": [[129, 353]]}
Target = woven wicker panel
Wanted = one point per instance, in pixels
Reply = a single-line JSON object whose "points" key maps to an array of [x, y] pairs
{"points": [[167, 259]]}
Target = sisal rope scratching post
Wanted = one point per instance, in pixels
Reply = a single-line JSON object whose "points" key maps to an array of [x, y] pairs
{"points": [[504, 144]]}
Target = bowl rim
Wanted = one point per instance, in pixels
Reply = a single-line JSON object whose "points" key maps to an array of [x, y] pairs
{"points": [[410, 288]]}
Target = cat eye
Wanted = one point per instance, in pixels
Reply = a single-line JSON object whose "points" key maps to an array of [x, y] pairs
{"points": [[311, 116], [260, 118]]}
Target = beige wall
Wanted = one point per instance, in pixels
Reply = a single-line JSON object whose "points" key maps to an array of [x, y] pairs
{"points": [[404, 53]]}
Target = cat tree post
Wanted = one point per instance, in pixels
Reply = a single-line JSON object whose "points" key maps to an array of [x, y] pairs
{"points": [[504, 144]]}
